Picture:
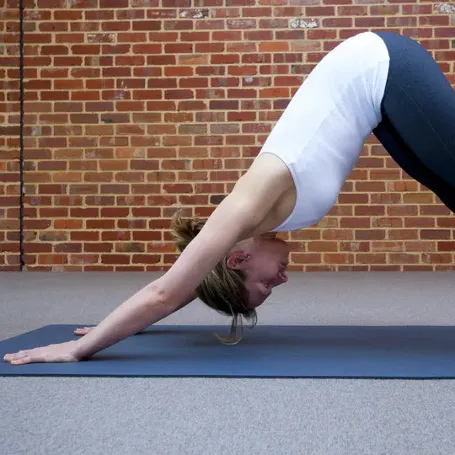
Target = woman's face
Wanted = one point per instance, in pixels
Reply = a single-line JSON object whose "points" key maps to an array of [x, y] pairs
{"points": [[264, 261]]}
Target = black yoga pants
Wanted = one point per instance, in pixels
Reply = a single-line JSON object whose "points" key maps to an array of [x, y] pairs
{"points": [[418, 117]]}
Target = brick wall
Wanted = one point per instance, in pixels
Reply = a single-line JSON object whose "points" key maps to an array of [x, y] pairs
{"points": [[135, 106]]}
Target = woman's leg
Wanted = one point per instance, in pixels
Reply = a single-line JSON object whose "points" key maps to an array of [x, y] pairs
{"points": [[409, 162], [419, 109]]}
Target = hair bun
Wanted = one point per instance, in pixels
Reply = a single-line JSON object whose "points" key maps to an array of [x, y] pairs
{"points": [[185, 229]]}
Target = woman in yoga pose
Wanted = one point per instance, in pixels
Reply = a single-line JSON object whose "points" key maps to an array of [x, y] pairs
{"points": [[380, 82]]}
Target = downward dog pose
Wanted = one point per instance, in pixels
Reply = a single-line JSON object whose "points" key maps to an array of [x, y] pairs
{"points": [[380, 82]]}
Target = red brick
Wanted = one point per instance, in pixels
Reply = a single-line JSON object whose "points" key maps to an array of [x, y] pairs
{"points": [[242, 24], [178, 25], [178, 48], [257, 12], [227, 36], [113, 4], [258, 35], [67, 224], [131, 37], [274, 92], [195, 36]]}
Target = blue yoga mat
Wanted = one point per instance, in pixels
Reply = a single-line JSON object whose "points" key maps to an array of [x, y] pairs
{"points": [[407, 352]]}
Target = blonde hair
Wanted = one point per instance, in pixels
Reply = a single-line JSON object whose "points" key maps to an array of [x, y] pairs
{"points": [[223, 289]]}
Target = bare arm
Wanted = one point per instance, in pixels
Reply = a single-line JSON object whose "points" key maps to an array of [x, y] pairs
{"points": [[143, 309], [234, 219], [165, 295]]}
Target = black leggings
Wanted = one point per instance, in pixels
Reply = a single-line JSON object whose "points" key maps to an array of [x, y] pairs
{"points": [[418, 117]]}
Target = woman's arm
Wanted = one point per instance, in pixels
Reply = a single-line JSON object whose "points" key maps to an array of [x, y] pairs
{"points": [[237, 216], [138, 312]]}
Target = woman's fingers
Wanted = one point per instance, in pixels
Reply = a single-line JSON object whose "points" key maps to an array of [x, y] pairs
{"points": [[21, 361], [25, 356], [83, 330], [16, 357]]}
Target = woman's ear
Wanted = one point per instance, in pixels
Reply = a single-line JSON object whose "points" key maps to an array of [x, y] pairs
{"points": [[237, 260]]}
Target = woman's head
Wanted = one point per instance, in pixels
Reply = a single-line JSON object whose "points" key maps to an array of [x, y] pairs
{"points": [[242, 280], [263, 261]]}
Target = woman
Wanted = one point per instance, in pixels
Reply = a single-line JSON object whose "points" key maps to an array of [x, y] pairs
{"points": [[373, 82]]}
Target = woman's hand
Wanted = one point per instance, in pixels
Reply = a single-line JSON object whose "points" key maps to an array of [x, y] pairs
{"points": [[63, 352], [83, 330]]}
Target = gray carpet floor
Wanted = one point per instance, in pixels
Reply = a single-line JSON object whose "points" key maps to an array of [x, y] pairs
{"points": [[60, 416]]}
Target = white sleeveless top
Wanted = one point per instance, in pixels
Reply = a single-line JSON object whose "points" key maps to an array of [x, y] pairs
{"points": [[322, 131]]}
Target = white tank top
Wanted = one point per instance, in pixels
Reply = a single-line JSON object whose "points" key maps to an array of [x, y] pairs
{"points": [[322, 131]]}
